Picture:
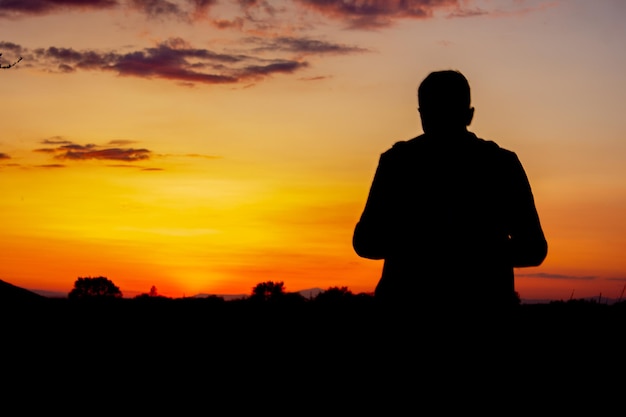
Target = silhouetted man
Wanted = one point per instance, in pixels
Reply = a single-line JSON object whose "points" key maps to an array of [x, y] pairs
{"points": [[450, 214]]}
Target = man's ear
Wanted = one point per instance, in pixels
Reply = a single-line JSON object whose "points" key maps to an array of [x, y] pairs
{"points": [[470, 116]]}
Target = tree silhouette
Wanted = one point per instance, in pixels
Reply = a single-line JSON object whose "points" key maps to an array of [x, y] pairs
{"points": [[268, 291], [94, 287], [153, 291]]}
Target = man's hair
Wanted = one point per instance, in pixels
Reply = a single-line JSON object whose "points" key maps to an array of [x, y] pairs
{"points": [[444, 91]]}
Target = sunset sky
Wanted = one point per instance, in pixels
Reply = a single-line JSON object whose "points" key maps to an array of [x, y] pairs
{"points": [[203, 146]]}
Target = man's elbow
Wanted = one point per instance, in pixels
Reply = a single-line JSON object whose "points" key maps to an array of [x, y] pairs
{"points": [[365, 245], [533, 256]]}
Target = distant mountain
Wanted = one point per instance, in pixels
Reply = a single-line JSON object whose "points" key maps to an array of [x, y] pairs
{"points": [[12, 293], [50, 294], [310, 292]]}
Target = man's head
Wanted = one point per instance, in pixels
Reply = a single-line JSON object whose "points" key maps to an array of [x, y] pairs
{"points": [[444, 102]]}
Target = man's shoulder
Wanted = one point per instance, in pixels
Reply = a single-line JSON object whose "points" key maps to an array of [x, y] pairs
{"points": [[425, 140], [405, 145], [471, 143], [492, 146], [398, 149]]}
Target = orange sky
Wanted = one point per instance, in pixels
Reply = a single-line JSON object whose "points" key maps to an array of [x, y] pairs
{"points": [[206, 149]]}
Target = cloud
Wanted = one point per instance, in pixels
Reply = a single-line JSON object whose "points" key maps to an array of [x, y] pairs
{"points": [[173, 59], [304, 45], [13, 49], [74, 152], [278, 66], [467, 12], [176, 60], [111, 154], [512, 9], [121, 142], [266, 16], [51, 166], [155, 9], [11, 8], [135, 166], [372, 14], [316, 78], [556, 276], [56, 140], [10, 46], [4, 156], [197, 155]]}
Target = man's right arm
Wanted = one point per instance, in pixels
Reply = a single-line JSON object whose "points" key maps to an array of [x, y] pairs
{"points": [[370, 238]]}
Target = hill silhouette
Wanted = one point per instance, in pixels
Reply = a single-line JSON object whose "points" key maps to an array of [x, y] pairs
{"points": [[10, 293]]}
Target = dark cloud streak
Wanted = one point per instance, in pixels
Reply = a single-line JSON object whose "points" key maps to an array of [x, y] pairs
{"points": [[121, 142], [557, 276], [155, 9], [374, 14], [75, 152], [56, 140], [111, 154], [264, 16], [304, 45], [10, 8], [53, 166], [175, 60]]}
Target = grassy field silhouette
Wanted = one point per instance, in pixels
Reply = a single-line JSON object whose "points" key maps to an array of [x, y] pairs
{"points": [[337, 352]]}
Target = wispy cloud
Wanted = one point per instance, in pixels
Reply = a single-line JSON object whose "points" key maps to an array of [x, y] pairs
{"points": [[117, 151], [56, 140], [134, 167], [12, 8], [4, 156], [557, 276], [504, 10], [111, 154], [175, 60], [197, 155], [65, 150], [272, 38], [264, 14], [151, 8], [53, 166], [304, 45], [121, 142], [374, 14], [317, 78]]}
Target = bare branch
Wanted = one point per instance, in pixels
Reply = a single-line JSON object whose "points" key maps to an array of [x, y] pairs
{"points": [[10, 65]]}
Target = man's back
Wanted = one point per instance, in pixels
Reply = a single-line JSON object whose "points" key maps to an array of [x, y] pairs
{"points": [[451, 216]]}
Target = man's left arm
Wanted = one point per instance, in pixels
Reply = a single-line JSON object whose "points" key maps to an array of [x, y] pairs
{"points": [[528, 243]]}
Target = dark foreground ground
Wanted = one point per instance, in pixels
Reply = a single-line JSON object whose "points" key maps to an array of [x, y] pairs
{"points": [[209, 351]]}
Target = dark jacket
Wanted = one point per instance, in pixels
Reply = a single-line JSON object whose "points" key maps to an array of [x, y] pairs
{"points": [[451, 217]]}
